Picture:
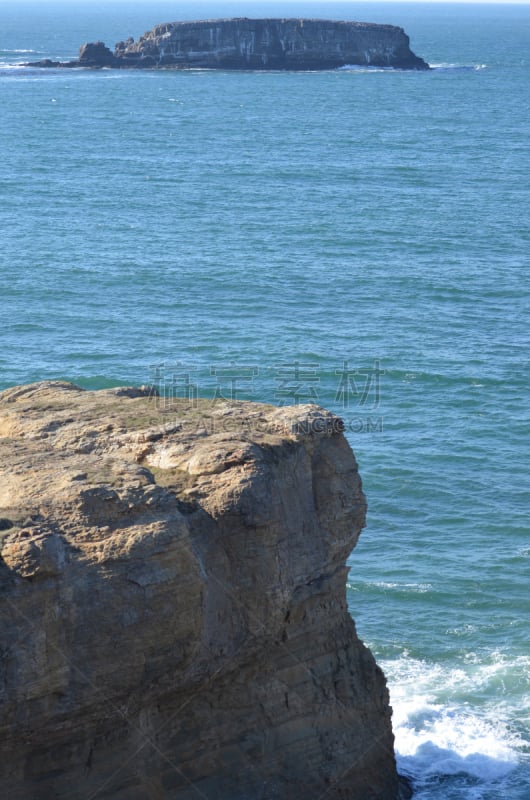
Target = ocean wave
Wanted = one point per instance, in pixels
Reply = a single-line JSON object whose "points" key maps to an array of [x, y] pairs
{"points": [[7, 65], [443, 67], [4, 52], [446, 741], [419, 588], [364, 68], [443, 727]]}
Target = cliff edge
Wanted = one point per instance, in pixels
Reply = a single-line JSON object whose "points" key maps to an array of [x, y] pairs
{"points": [[255, 44], [173, 614]]}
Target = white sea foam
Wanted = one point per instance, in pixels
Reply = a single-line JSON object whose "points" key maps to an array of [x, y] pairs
{"points": [[447, 741], [418, 588], [446, 67], [440, 731], [363, 68]]}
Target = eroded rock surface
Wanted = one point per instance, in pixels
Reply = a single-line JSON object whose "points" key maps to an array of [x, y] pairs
{"points": [[271, 44], [173, 621], [256, 44]]}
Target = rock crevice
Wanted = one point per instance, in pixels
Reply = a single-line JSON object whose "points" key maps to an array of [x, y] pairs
{"points": [[172, 603]]}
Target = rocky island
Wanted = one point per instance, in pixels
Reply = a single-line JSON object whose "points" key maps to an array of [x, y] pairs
{"points": [[255, 44], [173, 613]]}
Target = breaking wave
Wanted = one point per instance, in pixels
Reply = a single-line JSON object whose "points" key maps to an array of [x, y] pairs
{"points": [[450, 743]]}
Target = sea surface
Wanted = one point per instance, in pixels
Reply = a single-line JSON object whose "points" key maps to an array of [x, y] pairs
{"points": [[359, 238]]}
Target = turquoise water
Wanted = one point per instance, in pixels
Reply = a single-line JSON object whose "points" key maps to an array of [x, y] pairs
{"points": [[359, 238]]}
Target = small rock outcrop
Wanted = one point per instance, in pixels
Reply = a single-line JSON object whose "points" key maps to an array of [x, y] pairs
{"points": [[96, 54], [173, 618], [257, 44]]}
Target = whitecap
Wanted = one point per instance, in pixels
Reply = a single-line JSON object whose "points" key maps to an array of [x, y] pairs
{"points": [[418, 588], [363, 68], [446, 67], [440, 732], [9, 52], [5, 65], [447, 741]]}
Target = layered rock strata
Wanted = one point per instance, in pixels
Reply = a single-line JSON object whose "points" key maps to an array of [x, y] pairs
{"points": [[173, 619], [256, 44]]}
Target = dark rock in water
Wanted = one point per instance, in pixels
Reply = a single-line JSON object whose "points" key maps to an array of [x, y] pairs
{"points": [[49, 64], [122, 46], [406, 791], [96, 54], [257, 44], [291, 44]]}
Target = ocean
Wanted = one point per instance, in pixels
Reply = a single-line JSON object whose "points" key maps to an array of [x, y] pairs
{"points": [[357, 238]]}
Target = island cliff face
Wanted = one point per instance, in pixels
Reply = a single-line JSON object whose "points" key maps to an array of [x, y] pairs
{"points": [[172, 603], [270, 44], [257, 44]]}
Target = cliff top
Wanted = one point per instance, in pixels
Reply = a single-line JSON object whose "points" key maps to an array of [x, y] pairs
{"points": [[173, 614], [60, 445], [282, 20]]}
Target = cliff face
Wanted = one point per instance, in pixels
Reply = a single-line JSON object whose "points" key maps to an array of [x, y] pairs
{"points": [[172, 604], [255, 44], [270, 44]]}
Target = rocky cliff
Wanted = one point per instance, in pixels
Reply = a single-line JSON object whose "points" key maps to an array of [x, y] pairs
{"points": [[173, 620], [257, 44]]}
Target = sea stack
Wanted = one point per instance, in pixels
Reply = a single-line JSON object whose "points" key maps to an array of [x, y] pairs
{"points": [[293, 44], [173, 612], [256, 44]]}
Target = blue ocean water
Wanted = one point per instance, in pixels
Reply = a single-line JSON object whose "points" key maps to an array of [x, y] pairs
{"points": [[359, 238]]}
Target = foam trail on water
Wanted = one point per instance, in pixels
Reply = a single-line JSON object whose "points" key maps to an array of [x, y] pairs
{"points": [[441, 733], [365, 68], [457, 67]]}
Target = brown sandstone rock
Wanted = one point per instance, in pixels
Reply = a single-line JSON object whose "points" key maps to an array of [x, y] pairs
{"points": [[173, 621]]}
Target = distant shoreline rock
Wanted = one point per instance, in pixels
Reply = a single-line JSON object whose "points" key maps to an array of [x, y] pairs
{"points": [[254, 44]]}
